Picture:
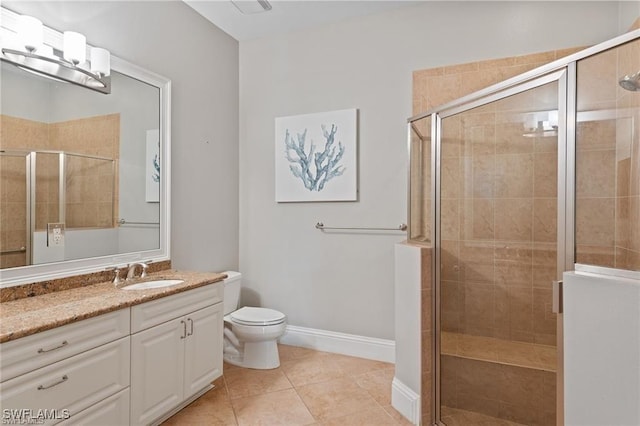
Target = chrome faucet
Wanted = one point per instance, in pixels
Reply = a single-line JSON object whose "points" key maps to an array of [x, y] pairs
{"points": [[132, 270]]}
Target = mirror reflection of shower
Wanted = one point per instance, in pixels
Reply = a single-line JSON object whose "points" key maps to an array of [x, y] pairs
{"points": [[631, 82]]}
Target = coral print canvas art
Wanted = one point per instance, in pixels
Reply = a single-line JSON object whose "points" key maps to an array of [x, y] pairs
{"points": [[152, 180], [316, 156]]}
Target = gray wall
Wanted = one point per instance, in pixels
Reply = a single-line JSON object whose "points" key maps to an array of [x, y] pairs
{"points": [[344, 282], [629, 13], [171, 39]]}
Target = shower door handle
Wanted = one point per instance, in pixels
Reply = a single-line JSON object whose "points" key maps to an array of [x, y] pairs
{"points": [[556, 306]]}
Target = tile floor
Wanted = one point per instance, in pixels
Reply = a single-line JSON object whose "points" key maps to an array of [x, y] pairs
{"points": [[309, 388]]}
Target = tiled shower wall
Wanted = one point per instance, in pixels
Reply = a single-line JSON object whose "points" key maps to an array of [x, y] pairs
{"points": [[436, 86], [90, 184], [431, 88], [498, 223], [608, 161]]}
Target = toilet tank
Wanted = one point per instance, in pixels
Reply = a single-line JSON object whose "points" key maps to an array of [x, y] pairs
{"points": [[231, 291]]}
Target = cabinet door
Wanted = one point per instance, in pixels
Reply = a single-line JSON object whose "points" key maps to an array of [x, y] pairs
{"points": [[203, 348], [157, 362]]}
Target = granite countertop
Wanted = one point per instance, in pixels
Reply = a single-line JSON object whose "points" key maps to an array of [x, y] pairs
{"points": [[30, 315]]}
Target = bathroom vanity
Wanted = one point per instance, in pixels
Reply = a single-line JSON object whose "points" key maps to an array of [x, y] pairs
{"points": [[75, 349], [102, 355]]}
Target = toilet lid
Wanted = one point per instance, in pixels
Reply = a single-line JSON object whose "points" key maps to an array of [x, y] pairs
{"points": [[257, 316]]}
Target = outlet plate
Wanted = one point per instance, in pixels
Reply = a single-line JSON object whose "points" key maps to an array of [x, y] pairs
{"points": [[55, 234]]}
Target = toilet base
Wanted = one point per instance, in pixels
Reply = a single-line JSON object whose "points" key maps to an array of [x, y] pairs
{"points": [[256, 355]]}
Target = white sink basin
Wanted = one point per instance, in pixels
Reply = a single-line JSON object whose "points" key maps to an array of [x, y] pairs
{"points": [[152, 284]]}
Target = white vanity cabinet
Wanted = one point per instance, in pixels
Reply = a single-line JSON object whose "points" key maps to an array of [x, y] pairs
{"points": [[176, 350], [68, 370]]}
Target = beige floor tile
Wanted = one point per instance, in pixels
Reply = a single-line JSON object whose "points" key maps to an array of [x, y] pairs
{"points": [[353, 366], [378, 384], [330, 389], [395, 414], [376, 416], [288, 353], [243, 382], [315, 368], [275, 408], [336, 398], [213, 408], [226, 366]]}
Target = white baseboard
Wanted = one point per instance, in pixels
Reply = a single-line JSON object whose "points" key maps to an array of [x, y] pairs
{"points": [[406, 401], [341, 343]]}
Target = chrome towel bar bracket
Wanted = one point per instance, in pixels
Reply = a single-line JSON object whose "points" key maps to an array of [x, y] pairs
{"points": [[401, 227], [127, 222]]}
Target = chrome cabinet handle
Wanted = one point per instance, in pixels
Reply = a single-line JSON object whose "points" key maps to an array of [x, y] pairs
{"points": [[63, 344], [191, 326], [62, 380], [184, 331]]}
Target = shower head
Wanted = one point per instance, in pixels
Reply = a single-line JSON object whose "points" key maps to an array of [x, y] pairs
{"points": [[631, 82]]}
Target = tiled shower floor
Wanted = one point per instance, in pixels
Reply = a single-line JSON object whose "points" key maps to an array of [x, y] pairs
{"points": [[309, 388], [455, 417]]}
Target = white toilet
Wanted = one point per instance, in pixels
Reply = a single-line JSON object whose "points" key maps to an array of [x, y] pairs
{"points": [[250, 334]]}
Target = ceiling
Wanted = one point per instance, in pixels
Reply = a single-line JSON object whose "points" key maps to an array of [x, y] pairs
{"points": [[286, 16]]}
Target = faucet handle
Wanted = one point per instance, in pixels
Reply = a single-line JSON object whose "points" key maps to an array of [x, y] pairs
{"points": [[116, 279], [144, 265]]}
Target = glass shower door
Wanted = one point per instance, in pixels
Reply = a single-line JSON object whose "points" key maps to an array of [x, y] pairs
{"points": [[498, 253]]}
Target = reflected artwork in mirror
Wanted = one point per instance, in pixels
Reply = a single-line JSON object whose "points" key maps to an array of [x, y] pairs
{"points": [[83, 175]]}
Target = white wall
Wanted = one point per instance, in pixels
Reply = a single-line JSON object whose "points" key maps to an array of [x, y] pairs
{"points": [[407, 386], [17, 98], [601, 349], [344, 282], [628, 14], [171, 39]]}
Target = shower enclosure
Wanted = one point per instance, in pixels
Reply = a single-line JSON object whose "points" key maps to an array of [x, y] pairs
{"points": [[512, 186], [46, 187]]}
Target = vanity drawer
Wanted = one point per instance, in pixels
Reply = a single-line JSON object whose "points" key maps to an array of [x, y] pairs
{"points": [[73, 384], [162, 310], [112, 411], [32, 352]]}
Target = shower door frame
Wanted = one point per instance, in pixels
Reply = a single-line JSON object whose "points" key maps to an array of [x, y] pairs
{"points": [[564, 241], [565, 72]]}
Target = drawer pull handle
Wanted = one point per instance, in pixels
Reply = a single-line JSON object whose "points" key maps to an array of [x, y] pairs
{"points": [[184, 331], [62, 345], [64, 379], [191, 326]]}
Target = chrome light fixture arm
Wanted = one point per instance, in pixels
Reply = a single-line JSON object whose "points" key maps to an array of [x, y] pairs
{"points": [[24, 45], [57, 69]]}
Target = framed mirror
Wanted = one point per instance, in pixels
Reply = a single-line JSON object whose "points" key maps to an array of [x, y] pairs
{"points": [[84, 175]]}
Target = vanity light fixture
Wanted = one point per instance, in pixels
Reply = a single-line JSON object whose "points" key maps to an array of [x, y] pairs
{"points": [[29, 53], [249, 7]]}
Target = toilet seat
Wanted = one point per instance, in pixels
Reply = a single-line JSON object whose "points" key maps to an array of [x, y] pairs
{"points": [[257, 316]]}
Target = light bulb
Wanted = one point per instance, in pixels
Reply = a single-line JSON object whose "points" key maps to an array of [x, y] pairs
{"points": [[100, 61], [30, 32], [74, 47]]}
